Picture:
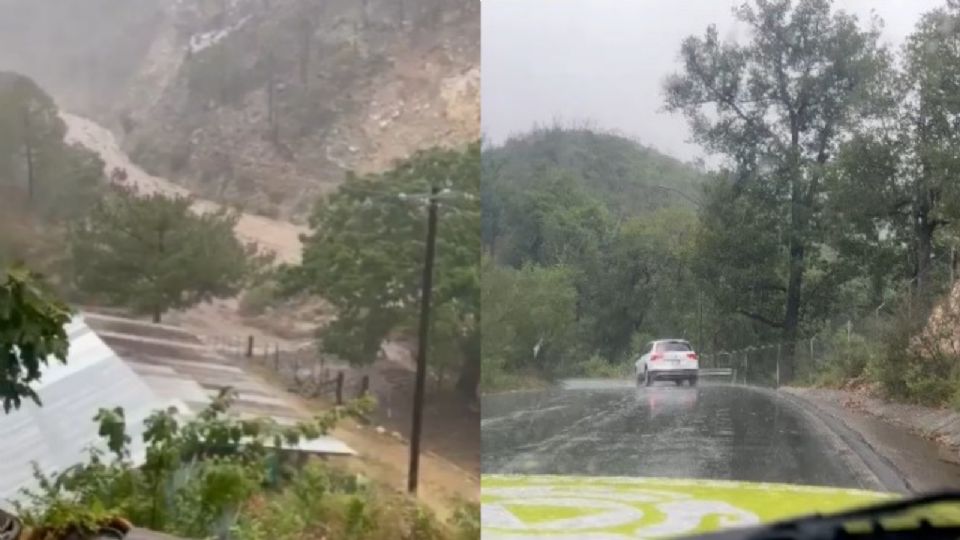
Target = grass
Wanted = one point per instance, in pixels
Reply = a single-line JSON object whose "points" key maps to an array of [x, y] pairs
{"points": [[322, 502]]}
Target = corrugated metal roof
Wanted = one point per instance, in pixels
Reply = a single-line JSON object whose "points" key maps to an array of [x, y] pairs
{"points": [[140, 367], [178, 365], [57, 434]]}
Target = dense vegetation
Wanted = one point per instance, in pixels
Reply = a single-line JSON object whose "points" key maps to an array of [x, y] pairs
{"points": [[832, 214], [366, 255], [588, 239], [31, 333], [153, 253], [216, 476], [44, 183]]}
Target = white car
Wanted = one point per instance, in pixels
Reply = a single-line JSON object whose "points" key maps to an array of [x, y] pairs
{"points": [[668, 360]]}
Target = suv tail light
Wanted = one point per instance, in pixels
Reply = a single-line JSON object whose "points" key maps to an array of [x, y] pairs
{"points": [[656, 356], [692, 355]]}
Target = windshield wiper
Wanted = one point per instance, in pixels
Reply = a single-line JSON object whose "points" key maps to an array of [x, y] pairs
{"points": [[836, 526]]}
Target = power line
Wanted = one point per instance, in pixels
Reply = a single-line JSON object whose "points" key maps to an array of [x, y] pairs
{"points": [[447, 196]]}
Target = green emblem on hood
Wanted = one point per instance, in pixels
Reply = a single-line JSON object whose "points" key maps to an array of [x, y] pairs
{"points": [[589, 508]]}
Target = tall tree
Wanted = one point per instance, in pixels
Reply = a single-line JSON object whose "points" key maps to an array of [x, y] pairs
{"points": [[31, 333], [365, 255], [777, 107], [894, 187], [153, 253], [932, 131], [32, 150]]}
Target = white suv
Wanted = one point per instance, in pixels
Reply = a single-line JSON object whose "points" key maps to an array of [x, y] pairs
{"points": [[668, 360]]}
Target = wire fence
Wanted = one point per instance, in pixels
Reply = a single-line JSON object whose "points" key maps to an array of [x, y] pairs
{"points": [[782, 363], [302, 370]]}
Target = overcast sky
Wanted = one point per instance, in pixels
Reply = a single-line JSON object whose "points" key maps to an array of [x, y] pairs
{"points": [[603, 61]]}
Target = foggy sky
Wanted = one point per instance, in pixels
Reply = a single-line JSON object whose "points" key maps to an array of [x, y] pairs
{"points": [[603, 62]]}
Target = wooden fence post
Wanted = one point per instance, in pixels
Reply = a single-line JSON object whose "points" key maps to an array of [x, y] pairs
{"points": [[249, 346], [339, 388], [276, 357]]}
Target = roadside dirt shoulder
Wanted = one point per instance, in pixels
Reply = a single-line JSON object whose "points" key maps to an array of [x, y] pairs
{"points": [[384, 457], [903, 437]]}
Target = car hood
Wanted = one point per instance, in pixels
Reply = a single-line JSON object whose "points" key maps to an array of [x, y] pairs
{"points": [[547, 507]]}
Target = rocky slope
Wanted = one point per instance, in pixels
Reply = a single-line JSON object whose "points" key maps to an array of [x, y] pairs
{"points": [[269, 103], [261, 102], [279, 237]]}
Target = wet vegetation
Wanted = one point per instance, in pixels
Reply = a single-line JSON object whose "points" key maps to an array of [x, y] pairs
{"points": [[825, 230], [216, 476], [373, 229]]}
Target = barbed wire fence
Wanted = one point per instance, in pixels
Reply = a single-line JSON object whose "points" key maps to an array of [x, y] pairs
{"points": [[301, 369]]}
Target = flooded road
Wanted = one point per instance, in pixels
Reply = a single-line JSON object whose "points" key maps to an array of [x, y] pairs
{"points": [[608, 428]]}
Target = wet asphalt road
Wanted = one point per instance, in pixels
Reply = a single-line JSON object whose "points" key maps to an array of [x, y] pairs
{"points": [[615, 429]]}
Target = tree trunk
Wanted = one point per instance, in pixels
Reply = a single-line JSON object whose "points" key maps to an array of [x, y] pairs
{"points": [[468, 381], [924, 230], [306, 35], [799, 221], [28, 151]]}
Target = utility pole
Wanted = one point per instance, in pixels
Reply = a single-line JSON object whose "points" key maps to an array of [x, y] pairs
{"points": [[425, 292]]}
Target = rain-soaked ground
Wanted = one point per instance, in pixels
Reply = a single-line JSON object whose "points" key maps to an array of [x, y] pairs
{"points": [[612, 428]]}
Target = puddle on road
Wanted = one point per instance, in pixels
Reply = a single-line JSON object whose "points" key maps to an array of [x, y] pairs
{"points": [[597, 384], [926, 465]]}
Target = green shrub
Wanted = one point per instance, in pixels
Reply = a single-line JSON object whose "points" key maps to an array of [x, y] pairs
{"points": [[887, 368], [599, 367], [848, 358], [915, 363], [324, 502], [929, 381], [466, 521], [198, 479]]}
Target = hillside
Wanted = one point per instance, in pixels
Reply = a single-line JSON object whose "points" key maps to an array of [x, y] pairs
{"points": [[44, 181], [627, 176], [259, 102], [589, 239]]}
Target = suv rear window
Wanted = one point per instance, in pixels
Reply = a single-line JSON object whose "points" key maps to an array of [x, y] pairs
{"points": [[673, 346]]}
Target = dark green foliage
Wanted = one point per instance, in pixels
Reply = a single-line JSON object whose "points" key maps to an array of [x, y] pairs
{"points": [[53, 179], [587, 256], [153, 253], [31, 333], [624, 175], [777, 120], [529, 324], [215, 476], [366, 253], [196, 477]]}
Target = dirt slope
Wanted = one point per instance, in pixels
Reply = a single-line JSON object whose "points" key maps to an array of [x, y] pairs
{"points": [[278, 236]]}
